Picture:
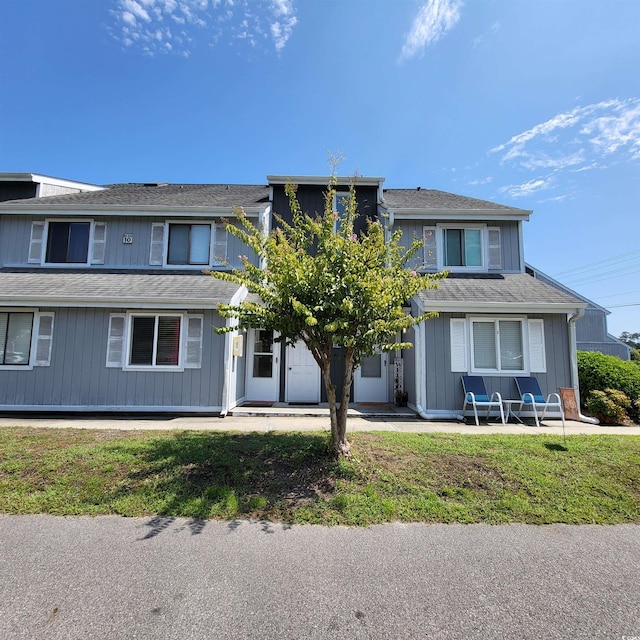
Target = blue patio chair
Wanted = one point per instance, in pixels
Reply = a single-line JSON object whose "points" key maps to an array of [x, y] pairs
{"points": [[475, 394], [531, 398]]}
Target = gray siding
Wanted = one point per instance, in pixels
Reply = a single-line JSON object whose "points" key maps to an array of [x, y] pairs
{"points": [[16, 233], [444, 389], [509, 237], [78, 377]]}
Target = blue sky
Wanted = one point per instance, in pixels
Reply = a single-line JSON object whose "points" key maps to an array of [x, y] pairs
{"points": [[534, 104]]}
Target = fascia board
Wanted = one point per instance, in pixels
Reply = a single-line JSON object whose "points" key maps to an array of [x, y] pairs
{"points": [[133, 303], [57, 182], [499, 307], [457, 214], [366, 181], [110, 210]]}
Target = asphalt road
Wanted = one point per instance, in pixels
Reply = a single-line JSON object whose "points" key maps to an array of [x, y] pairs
{"points": [[160, 578]]}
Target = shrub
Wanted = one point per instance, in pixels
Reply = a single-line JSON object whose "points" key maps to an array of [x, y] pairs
{"points": [[598, 372], [609, 406]]}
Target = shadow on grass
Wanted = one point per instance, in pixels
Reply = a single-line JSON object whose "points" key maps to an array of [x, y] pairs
{"points": [[202, 475], [553, 446]]}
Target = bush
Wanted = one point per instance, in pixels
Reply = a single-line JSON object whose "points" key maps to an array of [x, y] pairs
{"points": [[598, 372], [609, 406]]}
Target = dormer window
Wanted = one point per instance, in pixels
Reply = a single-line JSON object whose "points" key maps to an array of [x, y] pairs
{"points": [[462, 247]]}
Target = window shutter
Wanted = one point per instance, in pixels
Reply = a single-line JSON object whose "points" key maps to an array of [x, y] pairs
{"points": [[458, 330], [494, 246], [193, 342], [99, 243], [220, 244], [44, 340], [36, 242], [430, 250], [115, 342], [537, 358], [156, 253]]}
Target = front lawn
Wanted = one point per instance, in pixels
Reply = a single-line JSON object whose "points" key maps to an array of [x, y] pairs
{"points": [[292, 478]]}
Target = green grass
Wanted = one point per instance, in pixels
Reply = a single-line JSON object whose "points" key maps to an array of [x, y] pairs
{"points": [[292, 478]]}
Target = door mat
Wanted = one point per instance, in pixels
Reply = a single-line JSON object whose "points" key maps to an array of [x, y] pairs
{"points": [[257, 403]]}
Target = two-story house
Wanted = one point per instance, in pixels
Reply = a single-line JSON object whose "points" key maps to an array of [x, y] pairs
{"points": [[104, 305]]}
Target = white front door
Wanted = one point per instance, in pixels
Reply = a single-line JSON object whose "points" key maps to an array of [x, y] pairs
{"points": [[303, 375], [371, 380], [262, 366]]}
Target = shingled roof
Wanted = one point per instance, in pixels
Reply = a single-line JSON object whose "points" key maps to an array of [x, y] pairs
{"points": [[511, 290], [116, 289], [434, 200], [158, 195]]}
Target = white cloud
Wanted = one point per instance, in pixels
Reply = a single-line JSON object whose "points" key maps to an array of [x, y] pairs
{"points": [[598, 129], [269, 23], [475, 183], [582, 139], [525, 189], [435, 18]]}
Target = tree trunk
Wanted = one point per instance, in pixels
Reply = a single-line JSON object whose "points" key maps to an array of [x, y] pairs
{"points": [[340, 444], [338, 414]]}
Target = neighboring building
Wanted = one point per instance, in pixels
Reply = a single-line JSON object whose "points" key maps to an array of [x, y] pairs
{"points": [[104, 306], [591, 329], [14, 186]]}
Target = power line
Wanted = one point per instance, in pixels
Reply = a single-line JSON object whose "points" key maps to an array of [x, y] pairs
{"points": [[616, 295], [615, 273], [618, 306], [593, 266]]}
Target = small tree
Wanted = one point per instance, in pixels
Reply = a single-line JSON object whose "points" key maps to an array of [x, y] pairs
{"points": [[325, 285]]}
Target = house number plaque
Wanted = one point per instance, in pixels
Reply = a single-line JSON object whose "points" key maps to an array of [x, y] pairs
{"points": [[127, 238]]}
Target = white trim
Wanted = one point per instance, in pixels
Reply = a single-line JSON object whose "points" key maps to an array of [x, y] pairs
{"points": [[129, 338], [214, 226], [68, 265], [99, 303], [56, 182], [498, 307], [524, 334], [113, 408], [33, 344], [43, 337], [120, 210], [361, 181]]}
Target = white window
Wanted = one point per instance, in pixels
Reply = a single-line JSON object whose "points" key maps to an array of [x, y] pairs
{"points": [[25, 339], [503, 346], [188, 244], [67, 242], [462, 247], [163, 341]]}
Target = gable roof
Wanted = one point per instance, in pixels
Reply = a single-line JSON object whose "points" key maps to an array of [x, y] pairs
{"points": [[497, 293], [420, 201], [153, 195], [119, 289]]}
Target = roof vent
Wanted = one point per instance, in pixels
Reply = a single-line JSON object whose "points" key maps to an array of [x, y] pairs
{"points": [[155, 184], [419, 188]]}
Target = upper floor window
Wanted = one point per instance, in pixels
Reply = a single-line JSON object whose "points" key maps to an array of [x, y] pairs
{"points": [[25, 339], [185, 244], [62, 242], [189, 244], [462, 248]]}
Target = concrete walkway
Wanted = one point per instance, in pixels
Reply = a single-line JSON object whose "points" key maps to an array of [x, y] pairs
{"points": [[381, 418]]}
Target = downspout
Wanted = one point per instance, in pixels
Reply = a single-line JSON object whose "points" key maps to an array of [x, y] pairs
{"points": [[421, 387], [573, 351], [226, 367]]}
